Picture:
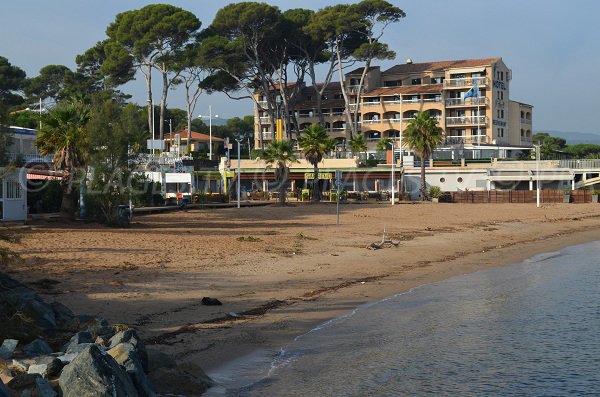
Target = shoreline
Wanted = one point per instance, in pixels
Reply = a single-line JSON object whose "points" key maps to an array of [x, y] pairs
{"points": [[288, 268]]}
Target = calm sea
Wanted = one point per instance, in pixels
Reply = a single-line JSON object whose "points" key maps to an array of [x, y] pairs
{"points": [[529, 329]]}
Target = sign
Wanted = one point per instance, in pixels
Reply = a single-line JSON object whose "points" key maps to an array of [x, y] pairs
{"points": [[338, 179], [499, 84], [155, 144], [322, 175], [500, 123]]}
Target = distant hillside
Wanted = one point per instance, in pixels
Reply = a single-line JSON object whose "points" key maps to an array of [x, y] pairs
{"points": [[574, 138]]}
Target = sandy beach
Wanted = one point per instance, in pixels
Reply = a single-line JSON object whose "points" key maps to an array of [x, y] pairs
{"points": [[279, 271]]}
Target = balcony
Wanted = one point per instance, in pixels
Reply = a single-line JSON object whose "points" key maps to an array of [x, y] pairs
{"points": [[526, 121], [372, 121], [267, 135], [353, 89], [264, 119], [466, 82], [30, 158], [450, 102], [461, 140], [466, 120], [378, 103]]}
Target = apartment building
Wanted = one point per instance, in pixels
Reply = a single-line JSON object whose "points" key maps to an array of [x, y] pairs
{"points": [[470, 99]]}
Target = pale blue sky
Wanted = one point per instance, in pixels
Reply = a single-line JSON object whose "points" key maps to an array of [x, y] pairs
{"points": [[552, 46]]}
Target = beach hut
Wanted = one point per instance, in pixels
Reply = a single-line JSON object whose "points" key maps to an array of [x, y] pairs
{"points": [[13, 195]]}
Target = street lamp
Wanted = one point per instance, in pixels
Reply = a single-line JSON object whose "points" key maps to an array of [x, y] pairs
{"points": [[393, 172], [537, 167], [239, 188], [210, 117]]}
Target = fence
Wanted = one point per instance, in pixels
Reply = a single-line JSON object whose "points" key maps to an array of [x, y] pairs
{"points": [[521, 196]]}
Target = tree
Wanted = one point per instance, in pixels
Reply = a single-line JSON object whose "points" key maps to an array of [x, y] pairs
{"points": [[244, 44], [12, 81], [422, 136], [315, 143], [64, 135], [280, 154], [51, 83], [383, 143], [357, 144], [147, 39], [115, 138], [549, 145]]}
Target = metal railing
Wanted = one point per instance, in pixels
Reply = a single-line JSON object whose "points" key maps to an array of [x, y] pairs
{"points": [[378, 103], [466, 102], [459, 139], [30, 158], [465, 82], [579, 164], [464, 120]]}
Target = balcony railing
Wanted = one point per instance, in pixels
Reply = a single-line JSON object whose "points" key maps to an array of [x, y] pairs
{"points": [[267, 135], [353, 89], [525, 121], [466, 102], [30, 158], [378, 103], [373, 121], [461, 140], [466, 120], [466, 82]]}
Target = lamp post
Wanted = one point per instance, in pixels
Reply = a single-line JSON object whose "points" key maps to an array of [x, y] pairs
{"points": [[537, 173], [210, 117], [239, 188], [393, 173], [152, 121]]}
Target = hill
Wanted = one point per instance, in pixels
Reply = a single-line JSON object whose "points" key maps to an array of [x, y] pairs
{"points": [[574, 138]]}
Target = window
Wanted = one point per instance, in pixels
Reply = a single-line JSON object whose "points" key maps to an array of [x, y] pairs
{"points": [[437, 80], [442, 179], [13, 189], [416, 81], [459, 179]]}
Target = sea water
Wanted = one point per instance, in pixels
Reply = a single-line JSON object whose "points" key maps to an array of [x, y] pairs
{"points": [[528, 329]]}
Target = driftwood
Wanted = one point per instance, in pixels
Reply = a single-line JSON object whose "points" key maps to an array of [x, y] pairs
{"points": [[383, 243]]}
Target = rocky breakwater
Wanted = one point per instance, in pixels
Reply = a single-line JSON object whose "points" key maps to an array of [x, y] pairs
{"points": [[49, 351]]}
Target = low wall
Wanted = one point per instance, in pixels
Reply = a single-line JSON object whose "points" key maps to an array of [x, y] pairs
{"points": [[520, 196]]}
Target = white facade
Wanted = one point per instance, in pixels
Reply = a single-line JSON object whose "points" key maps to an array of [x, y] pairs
{"points": [[13, 200]]}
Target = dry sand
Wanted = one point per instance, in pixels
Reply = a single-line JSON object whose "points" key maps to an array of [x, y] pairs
{"points": [[278, 271]]}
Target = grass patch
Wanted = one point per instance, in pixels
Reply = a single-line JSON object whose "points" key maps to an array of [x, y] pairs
{"points": [[250, 239]]}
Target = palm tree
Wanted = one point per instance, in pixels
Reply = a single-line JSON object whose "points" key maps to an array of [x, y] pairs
{"points": [[315, 143], [281, 154], [422, 136], [357, 144], [383, 143], [64, 135]]}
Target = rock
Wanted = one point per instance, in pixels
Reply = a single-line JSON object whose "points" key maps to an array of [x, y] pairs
{"points": [[63, 316], [37, 348], [24, 315], [6, 375], [8, 347], [67, 358], [3, 390], [130, 336], [43, 388], [21, 381], [210, 301], [126, 355], [158, 359], [77, 339], [20, 366], [95, 325], [78, 348], [186, 379], [46, 366], [94, 373]]}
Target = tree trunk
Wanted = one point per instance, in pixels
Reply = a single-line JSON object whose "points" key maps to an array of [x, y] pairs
{"points": [[423, 189], [316, 190], [67, 206]]}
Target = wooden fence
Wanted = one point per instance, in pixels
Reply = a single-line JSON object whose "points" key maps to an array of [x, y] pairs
{"points": [[520, 196]]}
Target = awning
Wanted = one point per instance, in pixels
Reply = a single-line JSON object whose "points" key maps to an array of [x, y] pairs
{"points": [[172, 177], [31, 176], [467, 70]]}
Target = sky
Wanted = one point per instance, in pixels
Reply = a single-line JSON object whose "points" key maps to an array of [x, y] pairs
{"points": [[550, 45]]}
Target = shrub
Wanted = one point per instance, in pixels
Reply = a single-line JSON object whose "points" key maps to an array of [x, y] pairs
{"points": [[435, 192]]}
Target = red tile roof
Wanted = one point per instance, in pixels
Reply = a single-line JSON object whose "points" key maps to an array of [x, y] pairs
{"points": [[440, 65], [196, 136], [405, 90]]}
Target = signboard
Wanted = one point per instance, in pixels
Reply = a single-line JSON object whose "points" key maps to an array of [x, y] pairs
{"points": [[155, 144], [322, 175]]}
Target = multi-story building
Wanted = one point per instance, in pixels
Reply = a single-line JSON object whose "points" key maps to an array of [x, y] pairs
{"points": [[485, 123]]}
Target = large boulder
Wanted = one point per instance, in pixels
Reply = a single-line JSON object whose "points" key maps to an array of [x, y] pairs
{"points": [[46, 366], [23, 314], [38, 347], [94, 373], [3, 390], [8, 347], [130, 336], [126, 355], [187, 379]]}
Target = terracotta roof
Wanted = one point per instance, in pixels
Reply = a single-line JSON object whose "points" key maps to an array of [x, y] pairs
{"points": [[440, 65], [405, 90], [196, 136]]}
